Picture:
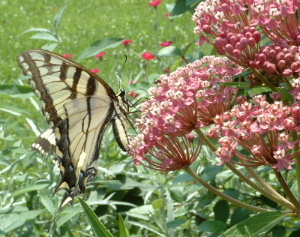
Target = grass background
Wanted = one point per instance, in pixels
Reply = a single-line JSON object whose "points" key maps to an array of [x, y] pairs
{"points": [[84, 22]]}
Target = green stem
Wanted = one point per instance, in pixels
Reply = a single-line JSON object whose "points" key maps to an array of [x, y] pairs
{"points": [[298, 173], [286, 189], [269, 192], [155, 28], [295, 138], [224, 196]]}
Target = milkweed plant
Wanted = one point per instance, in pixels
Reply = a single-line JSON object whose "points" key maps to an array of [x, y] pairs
{"points": [[243, 104]]}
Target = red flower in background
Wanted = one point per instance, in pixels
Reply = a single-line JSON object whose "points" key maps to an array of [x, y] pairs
{"points": [[154, 3], [100, 55], [127, 42], [166, 43], [67, 56], [148, 56], [95, 70], [133, 94]]}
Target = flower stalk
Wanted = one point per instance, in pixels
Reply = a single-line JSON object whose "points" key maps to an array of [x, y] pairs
{"points": [[222, 195]]}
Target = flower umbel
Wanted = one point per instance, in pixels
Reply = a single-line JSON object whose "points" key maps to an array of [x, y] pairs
{"points": [[187, 99], [257, 128], [169, 153]]}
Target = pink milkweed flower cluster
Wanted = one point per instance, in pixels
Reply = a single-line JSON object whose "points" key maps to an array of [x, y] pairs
{"points": [[232, 27], [264, 130], [254, 130], [236, 29], [186, 99]]}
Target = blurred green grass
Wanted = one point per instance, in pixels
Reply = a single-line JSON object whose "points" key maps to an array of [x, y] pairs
{"points": [[84, 22]]}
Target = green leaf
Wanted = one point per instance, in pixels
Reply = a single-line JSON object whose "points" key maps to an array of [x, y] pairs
{"points": [[221, 211], [122, 228], [67, 214], [279, 231], [147, 227], [209, 172], [14, 220], [239, 85], [29, 189], [192, 2], [141, 212], [255, 226], [48, 203], [182, 178], [98, 46], [169, 51], [239, 215], [176, 223], [212, 226], [186, 47], [180, 7], [15, 90], [232, 193], [12, 109], [45, 36], [260, 89], [158, 204], [58, 17], [50, 47], [37, 30], [99, 229]]}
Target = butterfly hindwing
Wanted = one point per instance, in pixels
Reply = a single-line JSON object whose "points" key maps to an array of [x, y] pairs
{"points": [[78, 106]]}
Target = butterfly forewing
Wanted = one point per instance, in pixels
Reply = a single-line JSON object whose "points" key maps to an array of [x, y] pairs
{"points": [[78, 106]]}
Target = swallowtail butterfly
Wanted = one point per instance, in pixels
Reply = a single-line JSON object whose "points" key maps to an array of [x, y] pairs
{"points": [[78, 106]]}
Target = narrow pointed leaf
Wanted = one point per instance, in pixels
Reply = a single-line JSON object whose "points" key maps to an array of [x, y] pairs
{"points": [[99, 46], [48, 203], [255, 226], [99, 229], [13, 90], [123, 231], [14, 220], [29, 189], [66, 215], [45, 36], [58, 16], [37, 30]]}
